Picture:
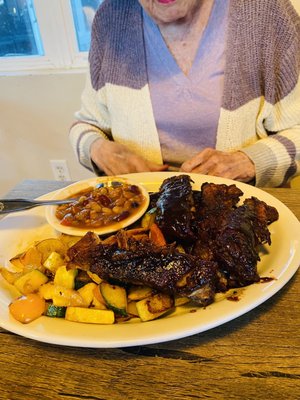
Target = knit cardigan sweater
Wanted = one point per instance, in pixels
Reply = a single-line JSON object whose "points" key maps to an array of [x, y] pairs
{"points": [[260, 113]]}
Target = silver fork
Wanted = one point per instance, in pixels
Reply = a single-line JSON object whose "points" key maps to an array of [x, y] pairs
{"points": [[13, 205]]}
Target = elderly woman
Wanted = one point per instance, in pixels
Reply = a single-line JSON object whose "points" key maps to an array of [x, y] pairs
{"points": [[204, 86]]}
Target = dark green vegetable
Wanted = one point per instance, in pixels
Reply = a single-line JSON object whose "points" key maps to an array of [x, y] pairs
{"points": [[56, 311]]}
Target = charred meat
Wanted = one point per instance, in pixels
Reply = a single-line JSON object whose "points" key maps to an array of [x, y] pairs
{"points": [[232, 235], [175, 208], [221, 239], [164, 269], [218, 197]]}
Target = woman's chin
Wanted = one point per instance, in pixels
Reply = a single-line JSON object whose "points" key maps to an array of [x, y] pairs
{"points": [[168, 11]]}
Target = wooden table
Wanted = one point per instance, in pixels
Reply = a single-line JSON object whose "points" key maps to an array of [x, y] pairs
{"points": [[256, 356]]}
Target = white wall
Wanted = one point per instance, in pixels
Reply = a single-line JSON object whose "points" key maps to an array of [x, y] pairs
{"points": [[36, 112]]}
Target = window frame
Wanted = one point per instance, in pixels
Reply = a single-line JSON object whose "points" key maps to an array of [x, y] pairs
{"points": [[58, 35]]}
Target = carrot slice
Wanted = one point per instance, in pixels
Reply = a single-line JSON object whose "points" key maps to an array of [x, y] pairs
{"points": [[157, 236]]}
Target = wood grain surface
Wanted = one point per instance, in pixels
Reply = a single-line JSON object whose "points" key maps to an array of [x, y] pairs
{"points": [[256, 356]]}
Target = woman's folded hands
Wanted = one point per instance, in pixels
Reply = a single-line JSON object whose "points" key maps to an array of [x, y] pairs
{"points": [[114, 159], [236, 165]]}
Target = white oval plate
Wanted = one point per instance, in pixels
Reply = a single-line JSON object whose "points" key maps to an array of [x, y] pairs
{"points": [[280, 260], [77, 187]]}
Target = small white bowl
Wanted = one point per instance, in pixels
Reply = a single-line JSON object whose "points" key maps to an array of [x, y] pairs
{"points": [[74, 188]]}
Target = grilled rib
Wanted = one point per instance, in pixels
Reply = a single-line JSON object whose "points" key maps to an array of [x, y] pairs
{"points": [[175, 208], [142, 263]]}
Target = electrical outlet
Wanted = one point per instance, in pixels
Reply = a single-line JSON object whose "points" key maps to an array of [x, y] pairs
{"points": [[60, 170]]}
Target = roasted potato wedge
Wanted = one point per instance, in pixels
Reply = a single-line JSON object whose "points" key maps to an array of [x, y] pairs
{"points": [[47, 246]]}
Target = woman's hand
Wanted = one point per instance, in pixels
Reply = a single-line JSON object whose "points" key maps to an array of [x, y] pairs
{"points": [[113, 159], [237, 165]]}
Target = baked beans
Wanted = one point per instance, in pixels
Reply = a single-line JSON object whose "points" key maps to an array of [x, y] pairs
{"points": [[102, 205]]}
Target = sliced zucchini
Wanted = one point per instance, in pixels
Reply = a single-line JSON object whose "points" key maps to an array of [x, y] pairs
{"points": [[98, 304], [81, 279], [139, 292], [180, 301], [65, 297], [55, 311], [94, 277], [60, 295], [98, 300], [115, 297], [46, 291], [54, 261], [31, 281], [90, 315], [154, 306], [87, 293], [65, 277], [132, 309]]}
